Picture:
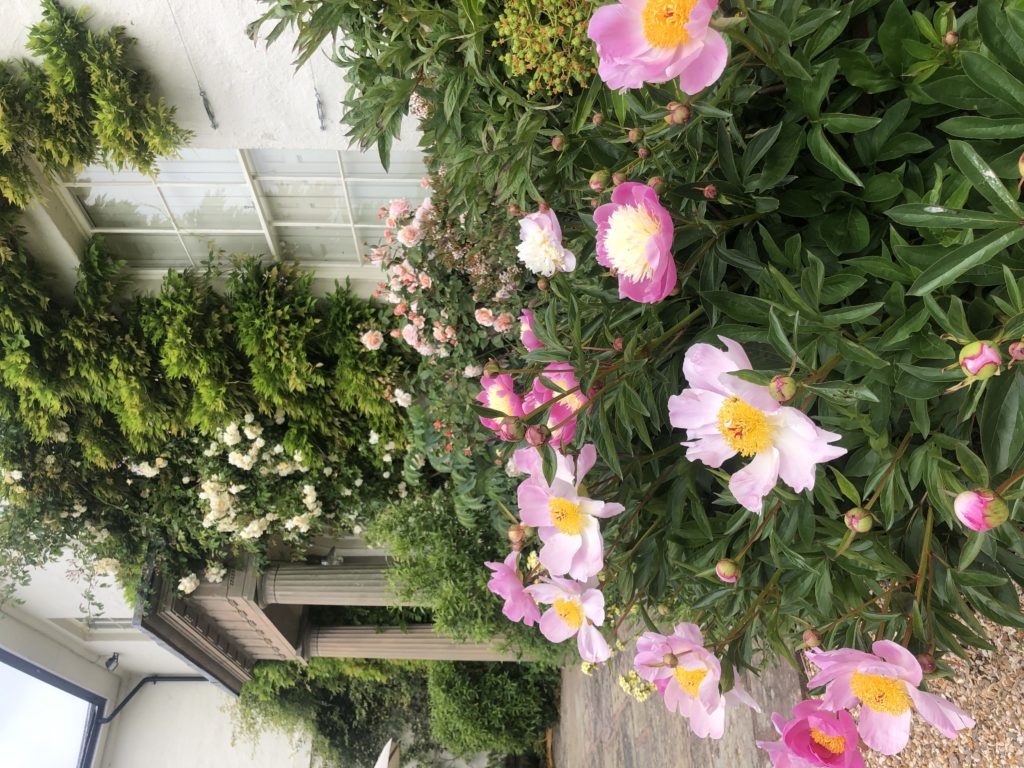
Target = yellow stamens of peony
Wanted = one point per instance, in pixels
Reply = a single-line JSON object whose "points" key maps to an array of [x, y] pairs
{"points": [[570, 612], [629, 229], [834, 744], [745, 428], [690, 679], [566, 516], [665, 22], [880, 694]]}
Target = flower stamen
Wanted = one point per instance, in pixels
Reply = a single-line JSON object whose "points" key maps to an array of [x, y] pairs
{"points": [[665, 22], [570, 612], [880, 694], [834, 744], [745, 428], [566, 516], [689, 679]]}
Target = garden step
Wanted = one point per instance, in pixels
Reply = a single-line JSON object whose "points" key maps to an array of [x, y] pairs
{"points": [[603, 727]]}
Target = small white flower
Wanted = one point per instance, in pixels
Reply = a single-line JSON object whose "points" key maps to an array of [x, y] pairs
{"points": [[328, 471], [358, 482], [231, 435], [279, 416], [403, 398], [472, 371], [385, 475], [386, 458], [249, 419], [107, 566], [252, 431], [160, 462], [389, 445], [215, 573], [374, 438], [188, 584], [186, 480]]}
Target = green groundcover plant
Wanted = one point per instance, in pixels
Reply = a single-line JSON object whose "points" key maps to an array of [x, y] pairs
{"points": [[785, 234]]}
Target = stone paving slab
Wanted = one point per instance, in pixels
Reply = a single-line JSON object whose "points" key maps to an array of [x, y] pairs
{"points": [[602, 727]]}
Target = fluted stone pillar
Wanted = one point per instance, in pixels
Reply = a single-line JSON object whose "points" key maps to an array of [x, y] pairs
{"points": [[415, 642], [346, 584]]}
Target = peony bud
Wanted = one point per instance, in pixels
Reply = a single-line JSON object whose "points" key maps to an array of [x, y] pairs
{"points": [[619, 178], [980, 509], [512, 429], [678, 116], [514, 210], [980, 360], [1020, 170], [727, 571], [617, 344], [782, 388], [643, 153], [710, 192], [858, 520], [657, 184], [599, 180], [927, 662], [951, 39], [537, 435], [1016, 351], [635, 135], [811, 638], [542, 284], [597, 118], [516, 534], [558, 143]]}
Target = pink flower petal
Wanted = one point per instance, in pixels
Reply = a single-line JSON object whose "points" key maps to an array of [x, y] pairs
{"points": [[558, 551], [802, 446], [709, 448], [705, 68], [588, 560], [703, 364], [553, 628], [694, 408], [756, 480], [897, 655], [592, 645], [884, 733], [945, 716]]}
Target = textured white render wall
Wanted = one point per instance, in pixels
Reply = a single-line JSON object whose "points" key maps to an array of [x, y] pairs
{"points": [[188, 725], [259, 99]]}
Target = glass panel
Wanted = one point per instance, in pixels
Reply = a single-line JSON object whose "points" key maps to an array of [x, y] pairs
{"points": [[295, 162], [124, 207], [102, 173], [404, 164], [307, 244], [201, 245], [305, 201], [368, 197], [158, 251], [212, 207], [202, 166]]}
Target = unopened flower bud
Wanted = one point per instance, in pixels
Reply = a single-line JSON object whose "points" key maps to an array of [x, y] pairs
{"points": [[811, 638], [516, 534], [542, 284], [617, 344], [670, 660], [980, 360], [678, 116], [594, 203], [782, 388], [951, 39], [727, 571], [643, 153], [1016, 351], [492, 367], [599, 180], [657, 184], [927, 662], [635, 135], [980, 509], [673, 105], [514, 210], [1020, 170], [618, 178], [597, 118], [537, 435], [858, 520], [512, 429], [543, 206], [558, 143], [710, 192]]}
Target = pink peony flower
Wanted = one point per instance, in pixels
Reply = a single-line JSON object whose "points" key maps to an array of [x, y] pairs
{"points": [[560, 417], [724, 416], [567, 522], [484, 316], [540, 244], [398, 207], [885, 683], [814, 737], [634, 237], [981, 509], [410, 235], [688, 677], [372, 340], [980, 360], [507, 583], [526, 335], [499, 395], [654, 41], [576, 609], [504, 322]]}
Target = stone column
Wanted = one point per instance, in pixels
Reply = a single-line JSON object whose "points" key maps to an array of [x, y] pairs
{"points": [[415, 642], [347, 584]]}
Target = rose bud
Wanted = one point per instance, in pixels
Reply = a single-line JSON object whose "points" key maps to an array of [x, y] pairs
{"points": [[980, 509], [858, 520], [727, 571], [782, 388], [980, 360]]}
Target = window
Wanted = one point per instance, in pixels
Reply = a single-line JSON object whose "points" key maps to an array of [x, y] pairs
{"points": [[317, 206], [45, 721]]}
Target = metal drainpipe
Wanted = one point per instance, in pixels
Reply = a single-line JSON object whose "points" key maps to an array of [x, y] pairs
{"points": [[98, 722]]}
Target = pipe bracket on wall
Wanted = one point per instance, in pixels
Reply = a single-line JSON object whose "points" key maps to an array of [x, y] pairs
{"points": [[209, 109]]}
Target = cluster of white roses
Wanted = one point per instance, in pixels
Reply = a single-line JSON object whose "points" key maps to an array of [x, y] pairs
{"points": [[145, 469]]}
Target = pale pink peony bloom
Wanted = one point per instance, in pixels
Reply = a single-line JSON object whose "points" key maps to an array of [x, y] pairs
{"points": [[654, 41], [980, 509], [506, 582], [634, 237], [885, 683], [560, 417], [504, 322], [688, 676], [398, 207], [576, 609], [724, 416], [484, 316], [567, 522], [526, 334], [410, 235], [372, 340], [540, 244], [499, 395], [814, 738]]}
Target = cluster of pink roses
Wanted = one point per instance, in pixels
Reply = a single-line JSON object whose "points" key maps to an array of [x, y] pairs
{"points": [[397, 215]]}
